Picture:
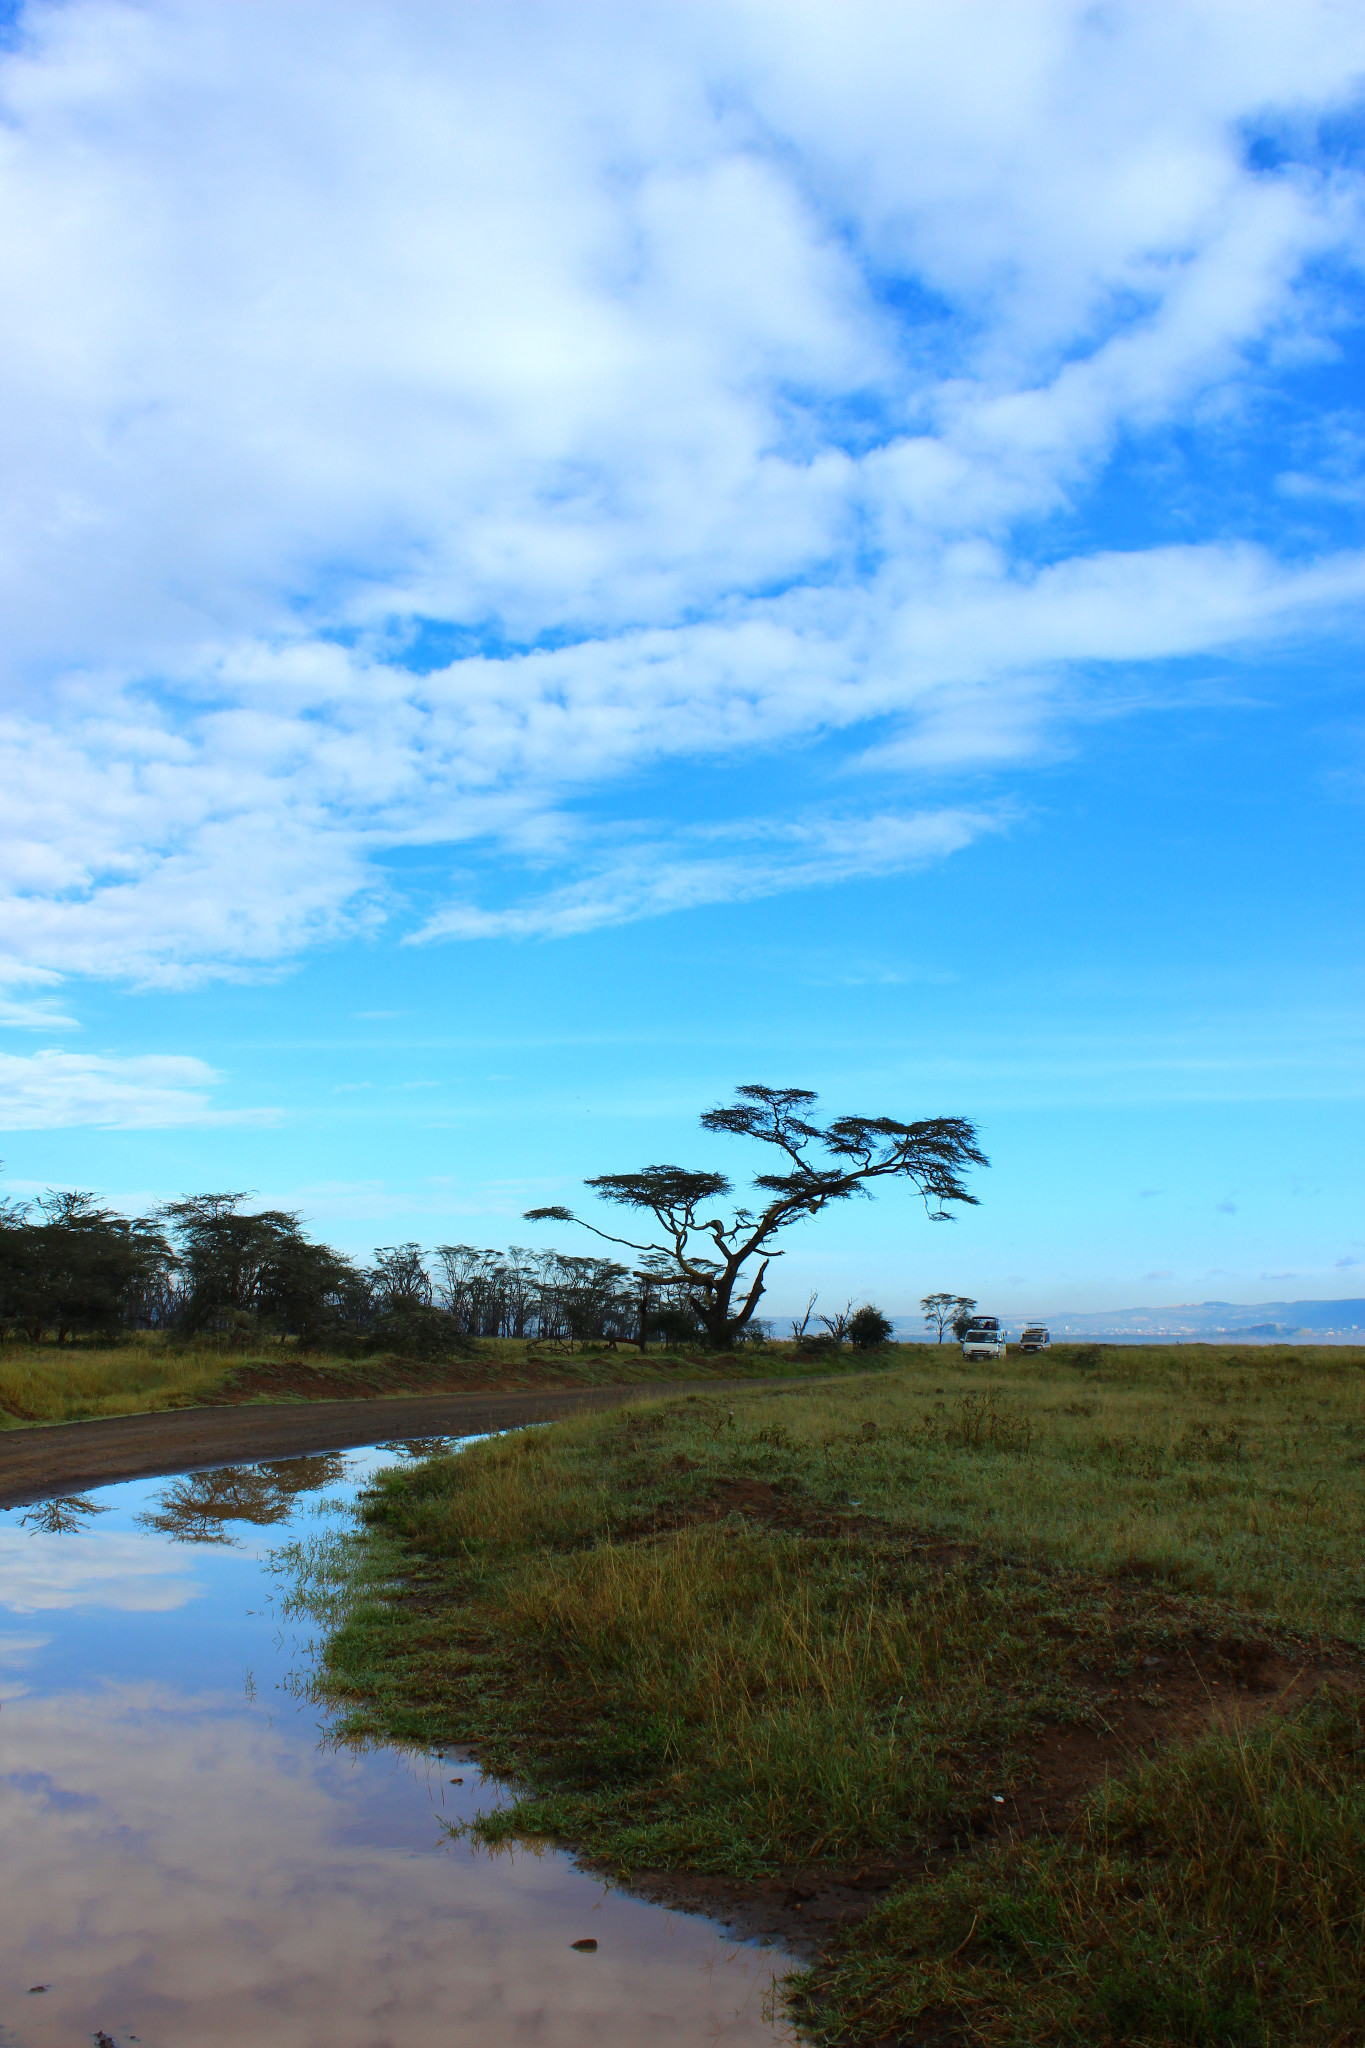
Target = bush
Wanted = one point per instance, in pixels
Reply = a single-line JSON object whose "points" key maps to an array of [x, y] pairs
{"points": [[868, 1328], [419, 1331]]}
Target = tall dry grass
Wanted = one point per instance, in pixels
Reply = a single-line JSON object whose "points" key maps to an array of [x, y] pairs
{"points": [[42, 1383]]}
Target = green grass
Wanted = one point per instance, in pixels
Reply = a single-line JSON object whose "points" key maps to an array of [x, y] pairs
{"points": [[1216, 1895], [741, 1634]]}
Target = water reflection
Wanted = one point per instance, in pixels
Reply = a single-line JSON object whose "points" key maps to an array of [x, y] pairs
{"points": [[195, 1508], [424, 1446], [65, 1516], [190, 1864]]}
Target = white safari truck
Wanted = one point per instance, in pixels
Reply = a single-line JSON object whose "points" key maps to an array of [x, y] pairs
{"points": [[983, 1338], [1035, 1338]]}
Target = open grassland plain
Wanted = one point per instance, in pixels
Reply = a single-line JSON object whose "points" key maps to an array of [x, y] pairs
{"points": [[1026, 1701], [145, 1373]]}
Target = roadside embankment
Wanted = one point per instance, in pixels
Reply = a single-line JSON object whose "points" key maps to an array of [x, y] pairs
{"points": [[1026, 1701], [69, 1457], [150, 1372]]}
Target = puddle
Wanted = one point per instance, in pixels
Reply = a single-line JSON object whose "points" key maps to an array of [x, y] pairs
{"points": [[189, 1864]]}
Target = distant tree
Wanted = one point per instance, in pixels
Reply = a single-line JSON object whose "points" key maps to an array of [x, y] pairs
{"points": [[408, 1320], [583, 1298], [491, 1293], [962, 1315], [838, 1323], [244, 1272], [400, 1278], [801, 1324], [222, 1256], [308, 1291], [868, 1328], [708, 1253], [668, 1313], [939, 1310], [69, 1266]]}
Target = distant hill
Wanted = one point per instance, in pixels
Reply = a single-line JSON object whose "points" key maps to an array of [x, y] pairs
{"points": [[1262, 1322]]}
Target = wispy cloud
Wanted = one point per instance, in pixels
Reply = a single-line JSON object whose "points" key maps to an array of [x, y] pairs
{"points": [[779, 855], [22, 1007], [47, 1091], [121, 1573]]}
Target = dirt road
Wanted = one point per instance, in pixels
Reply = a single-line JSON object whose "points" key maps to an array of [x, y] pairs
{"points": [[68, 1457]]}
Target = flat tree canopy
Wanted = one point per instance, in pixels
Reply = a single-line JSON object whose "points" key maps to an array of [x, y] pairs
{"points": [[704, 1251]]}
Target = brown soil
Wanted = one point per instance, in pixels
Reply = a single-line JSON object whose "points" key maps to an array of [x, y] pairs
{"points": [[66, 1457]]}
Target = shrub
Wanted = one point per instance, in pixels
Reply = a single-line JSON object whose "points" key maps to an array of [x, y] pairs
{"points": [[868, 1328], [419, 1331]]}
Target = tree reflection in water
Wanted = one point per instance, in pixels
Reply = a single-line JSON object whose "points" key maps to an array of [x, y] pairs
{"points": [[195, 1508], [65, 1516], [420, 1446]]}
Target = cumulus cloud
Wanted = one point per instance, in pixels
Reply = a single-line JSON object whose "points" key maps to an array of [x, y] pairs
{"points": [[420, 418]]}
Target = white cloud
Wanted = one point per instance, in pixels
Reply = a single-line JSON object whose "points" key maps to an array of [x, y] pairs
{"points": [[47, 1091], [656, 879], [31, 1011], [124, 1573], [579, 326], [17, 1649]]}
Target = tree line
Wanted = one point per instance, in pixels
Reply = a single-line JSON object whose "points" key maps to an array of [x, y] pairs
{"points": [[206, 1268]]}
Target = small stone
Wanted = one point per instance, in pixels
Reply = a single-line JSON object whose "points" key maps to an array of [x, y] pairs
{"points": [[585, 1948]]}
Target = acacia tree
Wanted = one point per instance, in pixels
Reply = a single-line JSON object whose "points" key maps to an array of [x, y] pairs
{"points": [[706, 1254], [69, 1265], [944, 1309], [244, 1270]]}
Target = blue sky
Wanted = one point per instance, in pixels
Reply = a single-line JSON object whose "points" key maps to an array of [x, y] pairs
{"points": [[553, 566]]}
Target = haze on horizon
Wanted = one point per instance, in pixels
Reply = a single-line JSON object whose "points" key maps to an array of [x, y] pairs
{"points": [[559, 561]]}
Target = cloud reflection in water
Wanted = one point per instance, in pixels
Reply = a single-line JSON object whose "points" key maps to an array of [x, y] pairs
{"points": [[201, 1868]]}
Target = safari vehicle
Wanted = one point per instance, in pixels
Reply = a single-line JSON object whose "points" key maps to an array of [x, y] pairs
{"points": [[1035, 1338], [983, 1338]]}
